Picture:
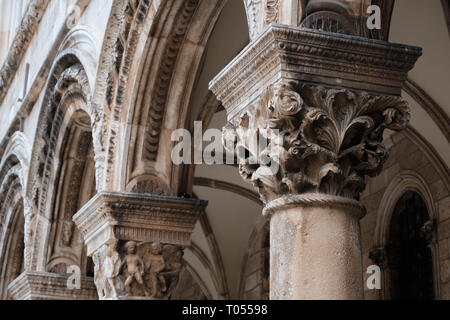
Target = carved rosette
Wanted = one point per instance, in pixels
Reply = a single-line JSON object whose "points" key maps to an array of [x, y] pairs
{"points": [[307, 110], [319, 140], [136, 242]]}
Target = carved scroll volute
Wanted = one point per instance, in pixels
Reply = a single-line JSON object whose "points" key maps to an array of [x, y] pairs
{"points": [[132, 270], [319, 139]]}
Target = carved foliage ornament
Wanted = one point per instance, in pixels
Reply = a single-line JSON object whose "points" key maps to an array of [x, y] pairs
{"points": [[261, 13], [318, 139], [147, 270]]}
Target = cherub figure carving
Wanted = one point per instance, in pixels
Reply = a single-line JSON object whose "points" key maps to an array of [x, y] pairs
{"points": [[111, 270], [156, 265], [98, 276], [67, 233], [135, 268]]}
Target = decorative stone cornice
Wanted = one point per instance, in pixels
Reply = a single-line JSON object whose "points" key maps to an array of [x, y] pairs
{"points": [[113, 216], [22, 39], [32, 285], [309, 56]]}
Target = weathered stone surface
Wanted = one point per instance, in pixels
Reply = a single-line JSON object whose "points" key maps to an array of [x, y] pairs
{"points": [[316, 252], [445, 271], [444, 250], [32, 285], [444, 209], [444, 229], [445, 291], [439, 190], [429, 173], [136, 242]]}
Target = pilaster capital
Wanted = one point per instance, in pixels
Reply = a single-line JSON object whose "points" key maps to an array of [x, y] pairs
{"points": [[137, 241]]}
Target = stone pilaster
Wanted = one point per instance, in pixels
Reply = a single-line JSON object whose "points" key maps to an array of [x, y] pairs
{"points": [[137, 241], [320, 102]]}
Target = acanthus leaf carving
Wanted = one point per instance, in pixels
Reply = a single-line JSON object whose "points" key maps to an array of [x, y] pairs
{"points": [[322, 140]]}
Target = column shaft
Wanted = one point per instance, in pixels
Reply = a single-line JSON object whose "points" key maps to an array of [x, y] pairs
{"points": [[315, 253]]}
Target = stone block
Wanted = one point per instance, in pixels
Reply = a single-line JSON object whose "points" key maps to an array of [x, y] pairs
{"points": [[443, 249], [444, 209], [429, 173], [439, 190], [444, 229], [445, 270]]}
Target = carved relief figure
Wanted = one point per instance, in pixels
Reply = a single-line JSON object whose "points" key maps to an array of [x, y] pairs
{"points": [[98, 276], [111, 270], [148, 269], [156, 265], [174, 264], [135, 268], [67, 233]]}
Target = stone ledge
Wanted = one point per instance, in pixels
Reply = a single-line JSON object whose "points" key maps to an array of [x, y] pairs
{"points": [[32, 285]]}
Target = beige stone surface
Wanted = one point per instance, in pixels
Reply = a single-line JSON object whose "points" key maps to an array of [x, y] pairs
{"points": [[316, 254]]}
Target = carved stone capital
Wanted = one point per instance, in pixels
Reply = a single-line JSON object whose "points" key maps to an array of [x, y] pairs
{"points": [[32, 285], [321, 103], [123, 233]]}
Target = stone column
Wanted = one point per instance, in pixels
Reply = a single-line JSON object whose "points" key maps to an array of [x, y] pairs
{"points": [[315, 248], [307, 111], [137, 241]]}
